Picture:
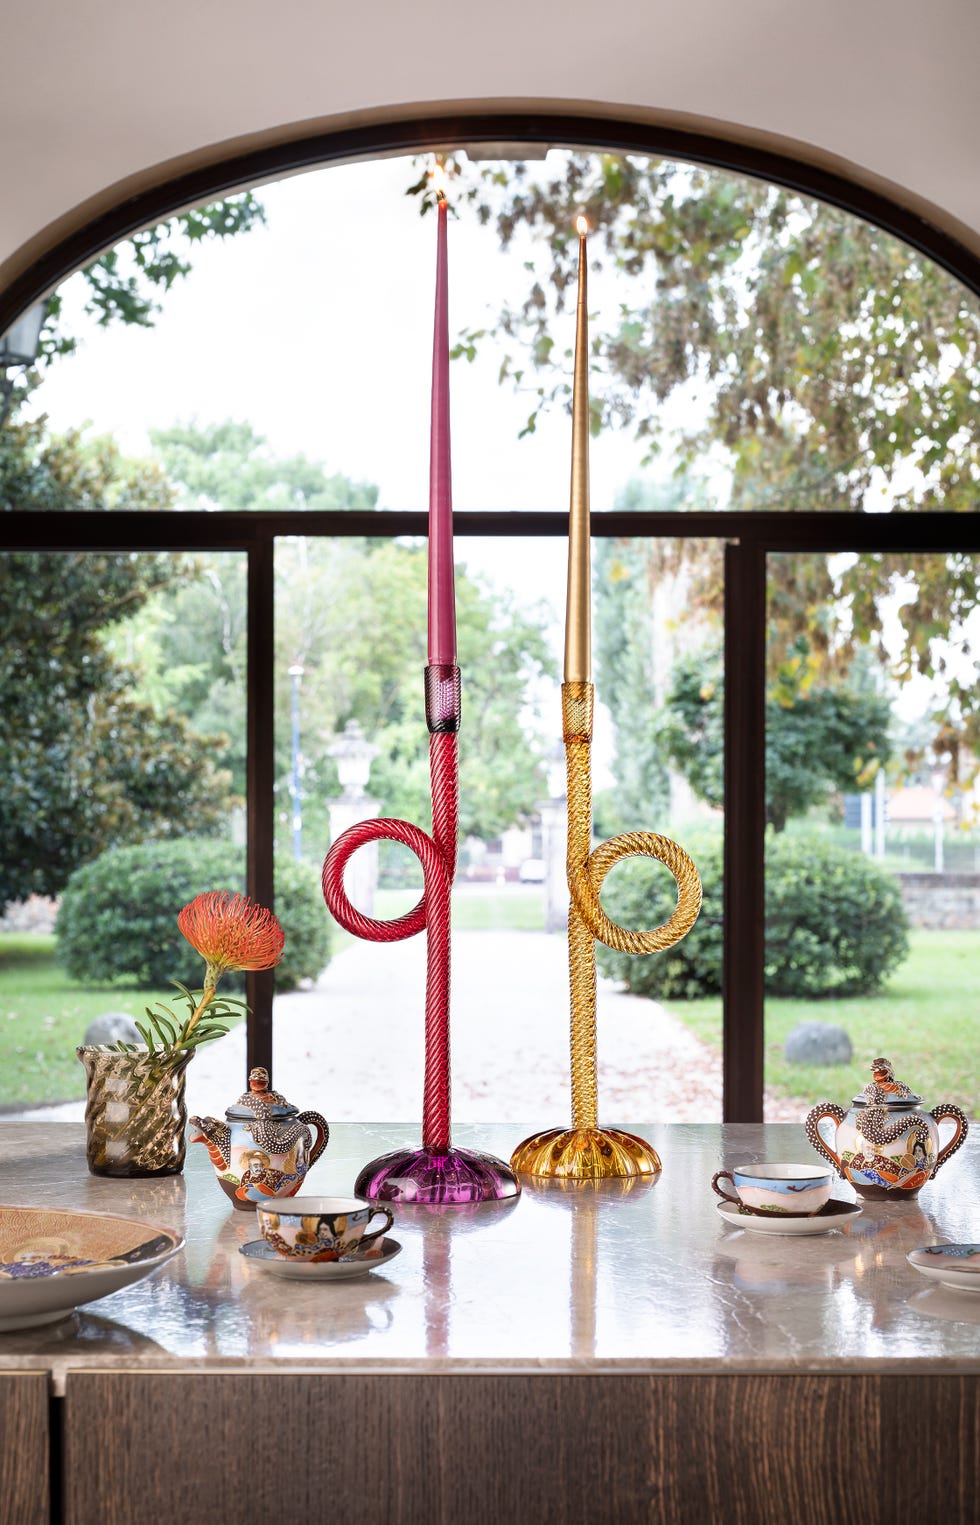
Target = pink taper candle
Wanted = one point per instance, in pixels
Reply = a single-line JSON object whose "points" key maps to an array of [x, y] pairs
{"points": [[442, 591]]}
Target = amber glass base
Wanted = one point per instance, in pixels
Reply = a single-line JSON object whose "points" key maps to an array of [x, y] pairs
{"points": [[585, 1154]]}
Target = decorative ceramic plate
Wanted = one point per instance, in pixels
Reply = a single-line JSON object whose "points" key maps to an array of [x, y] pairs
{"points": [[52, 1260], [265, 1258], [955, 1265], [834, 1215]]}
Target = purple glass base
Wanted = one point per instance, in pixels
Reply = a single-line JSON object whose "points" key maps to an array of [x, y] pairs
{"points": [[454, 1179]]}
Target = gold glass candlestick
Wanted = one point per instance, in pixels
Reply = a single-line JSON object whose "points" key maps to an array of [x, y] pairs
{"points": [[585, 1150]]}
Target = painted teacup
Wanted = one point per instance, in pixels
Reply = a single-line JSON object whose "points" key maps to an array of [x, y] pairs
{"points": [[787, 1191], [319, 1228]]}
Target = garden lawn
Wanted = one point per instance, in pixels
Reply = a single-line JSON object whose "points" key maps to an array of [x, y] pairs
{"points": [[43, 1017], [926, 1020], [44, 1014]]}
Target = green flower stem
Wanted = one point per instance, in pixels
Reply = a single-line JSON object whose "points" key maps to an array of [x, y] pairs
{"points": [[207, 996], [211, 977]]}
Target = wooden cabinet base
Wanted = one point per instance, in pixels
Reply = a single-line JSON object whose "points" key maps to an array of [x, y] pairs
{"points": [[522, 1449], [25, 1495]]}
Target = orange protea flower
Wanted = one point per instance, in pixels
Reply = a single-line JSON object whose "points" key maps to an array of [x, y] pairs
{"points": [[231, 932]]}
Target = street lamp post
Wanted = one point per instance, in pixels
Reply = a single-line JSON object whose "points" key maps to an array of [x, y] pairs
{"points": [[938, 864], [295, 673]]}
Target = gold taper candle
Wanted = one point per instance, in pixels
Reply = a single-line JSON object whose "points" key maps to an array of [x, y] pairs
{"points": [[578, 604], [586, 1152]]}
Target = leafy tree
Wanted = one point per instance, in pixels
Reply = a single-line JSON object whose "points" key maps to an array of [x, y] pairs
{"points": [[191, 642], [824, 349], [228, 465], [85, 763], [829, 365], [352, 613], [660, 669], [125, 284], [641, 598], [817, 739]]}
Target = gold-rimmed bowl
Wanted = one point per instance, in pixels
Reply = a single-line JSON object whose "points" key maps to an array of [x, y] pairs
{"points": [[53, 1260]]}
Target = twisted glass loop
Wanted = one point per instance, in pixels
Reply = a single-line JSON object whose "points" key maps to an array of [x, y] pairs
{"points": [[587, 921], [437, 855], [586, 869]]}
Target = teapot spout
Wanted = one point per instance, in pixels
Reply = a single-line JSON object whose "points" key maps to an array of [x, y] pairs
{"points": [[216, 1134]]}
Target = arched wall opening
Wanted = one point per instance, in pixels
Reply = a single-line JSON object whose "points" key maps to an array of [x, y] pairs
{"points": [[54, 257], [751, 538]]}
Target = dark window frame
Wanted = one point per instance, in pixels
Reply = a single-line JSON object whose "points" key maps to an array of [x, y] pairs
{"points": [[749, 538]]}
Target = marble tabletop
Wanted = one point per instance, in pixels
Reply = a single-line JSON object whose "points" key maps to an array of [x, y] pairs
{"points": [[649, 1279]]}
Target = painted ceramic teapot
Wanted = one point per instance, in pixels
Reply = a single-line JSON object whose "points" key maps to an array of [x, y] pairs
{"points": [[886, 1145], [264, 1147]]}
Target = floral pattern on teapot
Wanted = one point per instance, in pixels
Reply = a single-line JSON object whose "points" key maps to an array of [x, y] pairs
{"points": [[886, 1145]]}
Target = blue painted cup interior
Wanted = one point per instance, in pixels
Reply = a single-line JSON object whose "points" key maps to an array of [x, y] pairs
{"points": [[782, 1178]]}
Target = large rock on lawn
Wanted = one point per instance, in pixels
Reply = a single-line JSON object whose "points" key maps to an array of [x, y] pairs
{"points": [[818, 1043]]}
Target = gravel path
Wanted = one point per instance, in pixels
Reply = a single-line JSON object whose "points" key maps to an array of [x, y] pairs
{"points": [[352, 1047]]}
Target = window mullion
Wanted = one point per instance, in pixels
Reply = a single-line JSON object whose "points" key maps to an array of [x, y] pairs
{"points": [[260, 781], [743, 958]]}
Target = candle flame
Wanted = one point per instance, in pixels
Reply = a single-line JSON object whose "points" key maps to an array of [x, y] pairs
{"points": [[582, 226], [438, 179]]}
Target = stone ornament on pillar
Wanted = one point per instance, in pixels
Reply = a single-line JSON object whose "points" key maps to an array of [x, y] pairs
{"points": [[354, 754]]}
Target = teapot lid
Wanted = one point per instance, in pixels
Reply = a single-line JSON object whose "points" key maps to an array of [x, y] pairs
{"points": [[883, 1090], [259, 1102]]}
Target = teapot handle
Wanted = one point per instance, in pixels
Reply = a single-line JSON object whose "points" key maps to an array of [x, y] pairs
{"points": [[813, 1120], [322, 1128], [947, 1109]]}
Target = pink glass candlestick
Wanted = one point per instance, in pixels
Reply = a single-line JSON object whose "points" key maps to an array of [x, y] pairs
{"points": [[442, 585], [437, 1173]]}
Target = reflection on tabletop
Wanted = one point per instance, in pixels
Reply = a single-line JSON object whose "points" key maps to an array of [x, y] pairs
{"points": [[943, 1303], [643, 1272]]}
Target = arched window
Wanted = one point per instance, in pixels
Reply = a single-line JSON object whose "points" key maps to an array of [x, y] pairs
{"points": [[784, 480]]}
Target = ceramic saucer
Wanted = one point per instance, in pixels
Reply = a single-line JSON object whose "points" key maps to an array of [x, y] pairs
{"points": [[834, 1215], [955, 1265], [265, 1258]]}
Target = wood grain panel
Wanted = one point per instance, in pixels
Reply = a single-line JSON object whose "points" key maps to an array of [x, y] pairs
{"points": [[24, 1481], [934, 1422], [518, 1450]]}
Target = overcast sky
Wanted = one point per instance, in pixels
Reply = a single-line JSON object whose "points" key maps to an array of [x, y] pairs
{"points": [[317, 329]]}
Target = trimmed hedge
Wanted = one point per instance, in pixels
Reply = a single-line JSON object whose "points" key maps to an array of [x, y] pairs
{"points": [[835, 923], [118, 915]]}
